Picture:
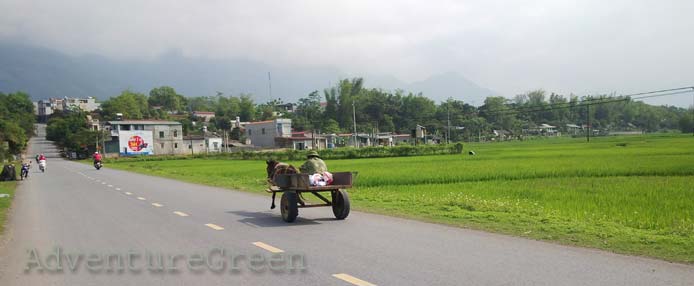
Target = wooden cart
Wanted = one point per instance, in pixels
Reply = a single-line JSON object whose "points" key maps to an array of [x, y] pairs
{"points": [[292, 186]]}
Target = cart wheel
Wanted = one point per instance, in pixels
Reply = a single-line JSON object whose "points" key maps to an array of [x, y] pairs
{"points": [[340, 204], [288, 206]]}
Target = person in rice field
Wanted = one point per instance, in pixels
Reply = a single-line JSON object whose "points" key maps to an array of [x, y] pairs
{"points": [[314, 164]]}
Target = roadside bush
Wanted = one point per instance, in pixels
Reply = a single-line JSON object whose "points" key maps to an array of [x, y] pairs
{"points": [[331, 154]]}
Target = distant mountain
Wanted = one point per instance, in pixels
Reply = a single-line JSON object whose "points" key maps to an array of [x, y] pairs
{"points": [[45, 73], [441, 87]]}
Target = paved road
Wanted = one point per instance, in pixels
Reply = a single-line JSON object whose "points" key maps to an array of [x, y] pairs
{"points": [[109, 212]]}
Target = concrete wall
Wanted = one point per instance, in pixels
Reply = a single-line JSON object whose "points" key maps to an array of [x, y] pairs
{"points": [[262, 134], [171, 142]]}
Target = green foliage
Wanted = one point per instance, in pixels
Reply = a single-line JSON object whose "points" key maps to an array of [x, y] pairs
{"points": [[70, 130], [131, 104], [167, 98], [16, 123], [332, 154]]}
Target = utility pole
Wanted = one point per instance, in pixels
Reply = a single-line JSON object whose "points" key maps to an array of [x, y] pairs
{"points": [[692, 111], [588, 120], [354, 119], [269, 83], [448, 135]]}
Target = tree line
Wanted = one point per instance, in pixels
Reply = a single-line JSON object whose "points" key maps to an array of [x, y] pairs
{"points": [[16, 123], [334, 109]]}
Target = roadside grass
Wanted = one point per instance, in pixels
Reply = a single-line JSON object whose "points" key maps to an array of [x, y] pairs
{"points": [[6, 188], [631, 195]]}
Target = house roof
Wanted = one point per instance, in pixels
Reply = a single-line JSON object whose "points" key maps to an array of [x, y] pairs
{"points": [[144, 122], [203, 112]]}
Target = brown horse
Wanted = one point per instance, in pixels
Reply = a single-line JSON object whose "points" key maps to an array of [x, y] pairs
{"points": [[275, 168]]}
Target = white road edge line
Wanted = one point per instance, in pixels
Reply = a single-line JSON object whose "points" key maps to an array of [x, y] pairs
{"points": [[157, 205], [128, 193], [141, 198]]}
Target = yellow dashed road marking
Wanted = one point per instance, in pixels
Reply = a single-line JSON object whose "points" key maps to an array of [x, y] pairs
{"points": [[157, 205], [268, 247], [214, 226], [141, 198], [180, 213], [353, 280]]}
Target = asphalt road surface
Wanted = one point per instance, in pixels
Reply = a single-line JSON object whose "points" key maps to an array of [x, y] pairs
{"points": [[112, 227]]}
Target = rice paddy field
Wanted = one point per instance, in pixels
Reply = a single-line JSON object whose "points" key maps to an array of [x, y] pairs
{"points": [[632, 195]]}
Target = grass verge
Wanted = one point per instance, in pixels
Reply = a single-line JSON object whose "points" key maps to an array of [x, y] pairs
{"points": [[6, 202]]}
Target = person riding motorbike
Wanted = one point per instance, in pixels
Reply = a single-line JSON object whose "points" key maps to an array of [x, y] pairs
{"points": [[42, 162], [25, 170], [97, 158]]}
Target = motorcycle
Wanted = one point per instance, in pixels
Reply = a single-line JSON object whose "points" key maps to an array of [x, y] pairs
{"points": [[25, 171], [42, 165], [98, 165]]}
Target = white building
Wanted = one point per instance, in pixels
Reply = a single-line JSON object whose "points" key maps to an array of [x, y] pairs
{"points": [[88, 104], [263, 133], [145, 137]]}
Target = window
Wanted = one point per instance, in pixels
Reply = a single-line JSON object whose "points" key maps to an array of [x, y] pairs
{"points": [[176, 145], [262, 131], [138, 127], [250, 132], [162, 145], [190, 146], [279, 129], [161, 135], [125, 127], [175, 133]]}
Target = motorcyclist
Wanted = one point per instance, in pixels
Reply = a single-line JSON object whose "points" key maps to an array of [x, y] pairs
{"points": [[42, 162], [25, 170], [96, 157]]}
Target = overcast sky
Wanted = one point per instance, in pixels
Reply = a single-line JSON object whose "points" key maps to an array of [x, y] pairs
{"points": [[508, 46]]}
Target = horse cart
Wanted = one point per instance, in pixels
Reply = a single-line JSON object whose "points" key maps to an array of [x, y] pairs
{"points": [[293, 186]]}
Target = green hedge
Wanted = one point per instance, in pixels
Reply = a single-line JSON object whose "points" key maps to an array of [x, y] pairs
{"points": [[331, 154]]}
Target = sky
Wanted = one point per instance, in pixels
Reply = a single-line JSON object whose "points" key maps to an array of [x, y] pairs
{"points": [[511, 47]]}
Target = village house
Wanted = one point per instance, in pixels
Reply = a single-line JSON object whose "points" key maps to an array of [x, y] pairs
{"points": [[145, 137], [264, 133], [204, 115]]}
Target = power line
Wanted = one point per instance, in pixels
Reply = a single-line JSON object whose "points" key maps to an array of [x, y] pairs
{"points": [[595, 101]]}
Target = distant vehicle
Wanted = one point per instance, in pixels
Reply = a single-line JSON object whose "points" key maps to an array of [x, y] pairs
{"points": [[42, 165]]}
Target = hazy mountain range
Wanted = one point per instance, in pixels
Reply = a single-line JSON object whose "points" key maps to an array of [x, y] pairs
{"points": [[45, 73]]}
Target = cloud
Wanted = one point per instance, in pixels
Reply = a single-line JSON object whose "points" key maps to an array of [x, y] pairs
{"points": [[510, 46]]}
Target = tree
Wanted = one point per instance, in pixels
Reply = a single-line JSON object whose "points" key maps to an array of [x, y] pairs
{"points": [[167, 98], [131, 104], [16, 122]]}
